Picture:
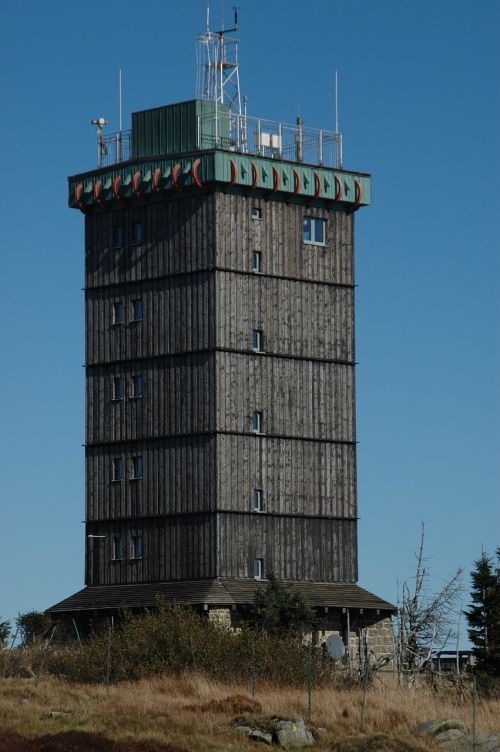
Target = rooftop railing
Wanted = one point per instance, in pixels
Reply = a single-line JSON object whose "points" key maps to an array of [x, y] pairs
{"points": [[246, 135], [113, 148], [269, 138]]}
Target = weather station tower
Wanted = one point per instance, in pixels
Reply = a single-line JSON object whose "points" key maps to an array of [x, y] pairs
{"points": [[220, 366]]}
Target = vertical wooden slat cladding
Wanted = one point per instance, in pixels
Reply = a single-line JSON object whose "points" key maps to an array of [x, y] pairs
{"points": [[177, 238], [177, 399], [295, 477], [174, 549], [279, 238], [293, 548], [178, 478], [202, 382], [175, 319], [302, 319], [308, 399]]}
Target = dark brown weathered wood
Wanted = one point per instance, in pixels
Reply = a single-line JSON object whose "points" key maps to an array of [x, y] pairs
{"points": [[202, 381]]}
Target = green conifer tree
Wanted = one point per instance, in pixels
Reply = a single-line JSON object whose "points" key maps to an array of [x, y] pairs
{"points": [[278, 610], [4, 632], [483, 615]]}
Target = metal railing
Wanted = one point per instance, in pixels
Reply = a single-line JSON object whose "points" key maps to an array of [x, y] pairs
{"points": [[113, 148], [269, 138], [246, 135]]}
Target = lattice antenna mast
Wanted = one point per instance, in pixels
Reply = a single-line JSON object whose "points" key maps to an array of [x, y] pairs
{"points": [[217, 69]]}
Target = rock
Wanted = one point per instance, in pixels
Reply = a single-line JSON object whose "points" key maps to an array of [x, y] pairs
{"points": [[255, 734], [487, 743], [293, 734], [59, 713], [449, 735], [439, 726], [452, 740]]}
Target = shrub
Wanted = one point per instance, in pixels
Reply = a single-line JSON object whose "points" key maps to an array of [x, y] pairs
{"points": [[174, 639]]}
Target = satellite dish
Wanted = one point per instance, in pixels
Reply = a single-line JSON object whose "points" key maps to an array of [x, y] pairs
{"points": [[335, 647]]}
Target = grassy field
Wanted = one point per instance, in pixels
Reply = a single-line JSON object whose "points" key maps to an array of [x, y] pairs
{"points": [[193, 713]]}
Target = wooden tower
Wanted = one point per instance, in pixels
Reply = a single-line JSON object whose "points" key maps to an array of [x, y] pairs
{"points": [[220, 365]]}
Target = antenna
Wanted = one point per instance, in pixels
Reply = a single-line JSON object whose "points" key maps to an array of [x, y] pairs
{"points": [[336, 102], [120, 99], [339, 157], [217, 69]]}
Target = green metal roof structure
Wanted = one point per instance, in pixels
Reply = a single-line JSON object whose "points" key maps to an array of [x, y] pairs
{"points": [[192, 145]]}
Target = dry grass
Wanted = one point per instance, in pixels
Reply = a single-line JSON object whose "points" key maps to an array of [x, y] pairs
{"points": [[192, 712]]}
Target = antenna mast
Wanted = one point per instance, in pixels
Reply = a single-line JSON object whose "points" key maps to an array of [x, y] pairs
{"points": [[339, 157], [217, 68]]}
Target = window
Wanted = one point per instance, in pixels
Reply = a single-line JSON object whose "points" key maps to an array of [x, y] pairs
{"points": [[137, 309], [118, 388], [257, 340], [256, 212], [137, 387], [136, 233], [257, 568], [256, 261], [256, 422], [314, 230], [117, 240], [117, 548], [137, 468], [118, 312], [257, 500], [117, 468], [137, 547]]}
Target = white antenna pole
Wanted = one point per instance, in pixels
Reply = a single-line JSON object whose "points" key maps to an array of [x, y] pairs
{"points": [[120, 99], [208, 17], [338, 137], [336, 103]]}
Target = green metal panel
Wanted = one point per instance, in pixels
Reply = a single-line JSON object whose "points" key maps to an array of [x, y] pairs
{"points": [[270, 177], [176, 128]]}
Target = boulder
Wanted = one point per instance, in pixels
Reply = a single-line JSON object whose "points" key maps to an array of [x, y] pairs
{"points": [[283, 732], [449, 735], [255, 734], [487, 743], [293, 734], [439, 726]]}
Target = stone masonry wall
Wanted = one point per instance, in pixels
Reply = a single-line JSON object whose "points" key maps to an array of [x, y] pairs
{"points": [[370, 633]]}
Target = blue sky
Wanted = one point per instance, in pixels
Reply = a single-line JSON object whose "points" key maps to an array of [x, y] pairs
{"points": [[418, 110]]}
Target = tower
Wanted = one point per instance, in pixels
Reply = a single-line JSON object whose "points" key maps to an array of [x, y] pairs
{"points": [[220, 385]]}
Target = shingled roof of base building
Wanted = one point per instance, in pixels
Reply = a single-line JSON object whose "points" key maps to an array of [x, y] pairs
{"points": [[214, 593]]}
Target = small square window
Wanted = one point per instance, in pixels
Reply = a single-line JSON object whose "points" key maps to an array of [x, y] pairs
{"points": [[117, 548], [256, 422], [257, 340], [137, 547], [117, 236], [117, 468], [256, 212], [137, 233], [314, 230], [118, 388], [258, 565], [137, 309], [137, 387], [257, 500], [256, 261], [137, 468], [118, 312]]}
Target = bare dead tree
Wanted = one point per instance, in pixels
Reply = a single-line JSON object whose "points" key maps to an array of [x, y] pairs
{"points": [[425, 621]]}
